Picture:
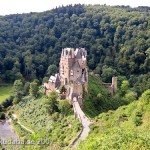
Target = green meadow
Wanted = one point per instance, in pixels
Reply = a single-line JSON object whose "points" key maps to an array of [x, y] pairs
{"points": [[5, 91]]}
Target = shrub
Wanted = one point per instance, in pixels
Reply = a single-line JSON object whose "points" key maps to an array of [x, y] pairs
{"points": [[2, 116], [130, 96], [64, 107], [7, 102], [1, 108], [138, 121], [139, 114], [55, 116], [146, 96]]}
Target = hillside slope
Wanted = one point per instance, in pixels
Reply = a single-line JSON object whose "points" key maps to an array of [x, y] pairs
{"points": [[99, 100], [126, 128], [54, 129], [53, 119]]}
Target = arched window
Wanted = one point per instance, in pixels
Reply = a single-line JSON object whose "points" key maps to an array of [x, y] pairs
{"points": [[66, 52]]}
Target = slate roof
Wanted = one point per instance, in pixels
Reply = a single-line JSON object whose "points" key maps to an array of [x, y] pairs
{"points": [[55, 78], [80, 53]]}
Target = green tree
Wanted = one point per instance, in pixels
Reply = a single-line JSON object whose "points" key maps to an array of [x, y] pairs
{"points": [[130, 96], [108, 73], [64, 107], [33, 89], [148, 52], [2, 115], [146, 96], [52, 69], [124, 87], [51, 103], [17, 91], [1, 108], [26, 88], [62, 89], [45, 79]]}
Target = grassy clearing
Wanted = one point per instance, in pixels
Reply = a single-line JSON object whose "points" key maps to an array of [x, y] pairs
{"points": [[5, 91]]}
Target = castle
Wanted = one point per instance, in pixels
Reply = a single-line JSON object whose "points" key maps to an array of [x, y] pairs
{"points": [[72, 75]]}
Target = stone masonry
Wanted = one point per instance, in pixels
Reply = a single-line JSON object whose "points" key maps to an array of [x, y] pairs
{"points": [[72, 74]]}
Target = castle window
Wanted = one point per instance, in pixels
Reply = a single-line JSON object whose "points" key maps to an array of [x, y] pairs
{"points": [[71, 72], [71, 53], [65, 81], [83, 71], [66, 52], [62, 71]]}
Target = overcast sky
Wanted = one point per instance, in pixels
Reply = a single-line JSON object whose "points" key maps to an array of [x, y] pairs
{"points": [[25, 6]]}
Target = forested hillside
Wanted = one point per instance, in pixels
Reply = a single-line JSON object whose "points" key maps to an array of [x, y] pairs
{"points": [[117, 40]]}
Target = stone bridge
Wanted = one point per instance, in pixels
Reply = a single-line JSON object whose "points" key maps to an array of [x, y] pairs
{"points": [[84, 121]]}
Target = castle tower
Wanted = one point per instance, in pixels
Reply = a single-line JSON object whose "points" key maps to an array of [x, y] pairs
{"points": [[80, 55], [73, 75], [114, 84], [73, 72], [66, 62]]}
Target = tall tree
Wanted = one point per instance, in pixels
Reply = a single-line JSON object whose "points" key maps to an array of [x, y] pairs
{"points": [[33, 89], [18, 91], [51, 103]]}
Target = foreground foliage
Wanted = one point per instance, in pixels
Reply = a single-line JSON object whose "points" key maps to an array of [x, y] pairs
{"points": [[126, 128], [48, 123]]}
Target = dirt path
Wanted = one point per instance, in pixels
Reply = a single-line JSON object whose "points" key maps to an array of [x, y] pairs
{"points": [[15, 117]]}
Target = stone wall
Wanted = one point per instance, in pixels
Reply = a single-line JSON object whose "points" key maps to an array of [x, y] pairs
{"points": [[111, 87]]}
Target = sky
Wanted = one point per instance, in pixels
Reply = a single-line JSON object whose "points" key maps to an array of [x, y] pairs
{"points": [[26, 6]]}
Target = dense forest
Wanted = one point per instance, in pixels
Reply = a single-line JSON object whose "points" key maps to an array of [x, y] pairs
{"points": [[117, 40]]}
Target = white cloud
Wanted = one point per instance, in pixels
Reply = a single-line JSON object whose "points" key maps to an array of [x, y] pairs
{"points": [[23, 6]]}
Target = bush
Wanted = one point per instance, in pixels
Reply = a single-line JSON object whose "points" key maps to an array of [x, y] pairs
{"points": [[2, 116], [130, 96], [146, 96], [64, 107], [7, 102], [139, 114], [1, 108], [138, 121]]}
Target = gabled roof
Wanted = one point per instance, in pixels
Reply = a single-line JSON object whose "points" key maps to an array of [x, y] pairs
{"points": [[54, 78], [80, 53], [68, 52]]}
